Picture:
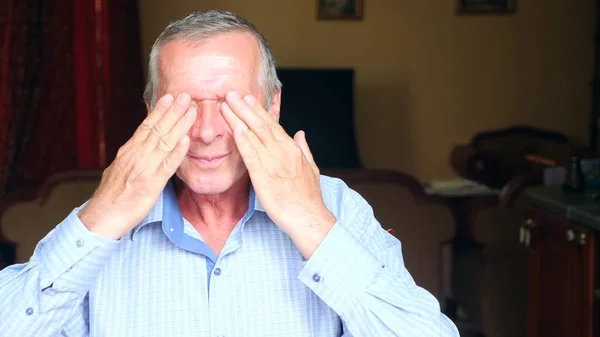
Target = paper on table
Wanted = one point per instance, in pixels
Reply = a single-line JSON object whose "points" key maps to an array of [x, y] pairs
{"points": [[458, 187]]}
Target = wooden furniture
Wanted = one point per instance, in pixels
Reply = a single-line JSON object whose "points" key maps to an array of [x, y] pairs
{"points": [[490, 268], [560, 233], [464, 261], [486, 268], [495, 157], [28, 214], [503, 275]]}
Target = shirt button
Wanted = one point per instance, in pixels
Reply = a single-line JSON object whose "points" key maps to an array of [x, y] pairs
{"points": [[79, 243], [218, 271], [29, 311], [316, 277]]}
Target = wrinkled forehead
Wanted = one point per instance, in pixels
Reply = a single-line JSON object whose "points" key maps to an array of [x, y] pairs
{"points": [[220, 63]]}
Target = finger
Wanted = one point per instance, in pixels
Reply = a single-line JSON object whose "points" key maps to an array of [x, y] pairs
{"points": [[300, 139], [164, 125], [252, 114], [171, 163], [246, 141], [274, 127], [144, 129], [168, 142]]}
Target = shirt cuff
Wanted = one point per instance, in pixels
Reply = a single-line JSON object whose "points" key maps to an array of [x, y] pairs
{"points": [[340, 270], [71, 257]]}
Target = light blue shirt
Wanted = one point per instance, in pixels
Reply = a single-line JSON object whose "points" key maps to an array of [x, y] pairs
{"points": [[161, 279]]}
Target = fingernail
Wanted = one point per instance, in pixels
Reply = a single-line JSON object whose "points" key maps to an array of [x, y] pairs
{"points": [[249, 99], [168, 99], [183, 98]]}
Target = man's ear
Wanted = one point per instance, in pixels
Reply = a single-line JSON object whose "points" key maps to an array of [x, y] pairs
{"points": [[276, 104], [148, 109]]}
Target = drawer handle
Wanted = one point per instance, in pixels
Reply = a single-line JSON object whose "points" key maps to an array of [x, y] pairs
{"points": [[578, 238], [525, 234]]}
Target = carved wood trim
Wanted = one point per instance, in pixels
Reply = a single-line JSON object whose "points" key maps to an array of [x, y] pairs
{"points": [[383, 176], [40, 193]]}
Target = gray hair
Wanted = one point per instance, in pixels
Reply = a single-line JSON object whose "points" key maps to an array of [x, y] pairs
{"points": [[204, 24]]}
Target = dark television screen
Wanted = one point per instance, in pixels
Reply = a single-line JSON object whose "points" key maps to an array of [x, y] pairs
{"points": [[321, 102]]}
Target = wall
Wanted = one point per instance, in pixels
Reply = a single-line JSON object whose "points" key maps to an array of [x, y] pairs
{"points": [[426, 78]]}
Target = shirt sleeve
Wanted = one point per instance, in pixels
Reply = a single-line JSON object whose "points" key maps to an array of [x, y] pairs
{"points": [[358, 271], [47, 296]]}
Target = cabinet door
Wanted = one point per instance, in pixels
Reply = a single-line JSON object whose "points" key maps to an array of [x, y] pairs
{"points": [[560, 278]]}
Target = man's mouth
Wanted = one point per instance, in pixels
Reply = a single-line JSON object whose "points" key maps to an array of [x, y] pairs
{"points": [[208, 159]]}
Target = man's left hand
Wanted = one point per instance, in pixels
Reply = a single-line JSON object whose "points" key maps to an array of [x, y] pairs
{"points": [[283, 172]]}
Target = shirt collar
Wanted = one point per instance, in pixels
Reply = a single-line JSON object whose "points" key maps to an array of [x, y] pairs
{"points": [[166, 209], [254, 202]]}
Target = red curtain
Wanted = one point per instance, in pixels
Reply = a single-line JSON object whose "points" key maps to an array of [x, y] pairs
{"points": [[71, 86], [35, 96]]}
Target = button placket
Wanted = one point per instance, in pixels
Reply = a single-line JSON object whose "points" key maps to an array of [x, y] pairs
{"points": [[219, 293]]}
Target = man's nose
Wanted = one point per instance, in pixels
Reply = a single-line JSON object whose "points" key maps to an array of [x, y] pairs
{"points": [[209, 123]]}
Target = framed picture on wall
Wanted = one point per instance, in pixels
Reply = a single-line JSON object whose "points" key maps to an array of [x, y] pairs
{"points": [[485, 6], [340, 9]]}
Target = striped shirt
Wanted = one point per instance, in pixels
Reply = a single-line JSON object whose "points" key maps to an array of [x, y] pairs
{"points": [[161, 279]]}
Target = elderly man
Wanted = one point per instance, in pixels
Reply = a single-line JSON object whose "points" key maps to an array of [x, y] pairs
{"points": [[212, 221]]}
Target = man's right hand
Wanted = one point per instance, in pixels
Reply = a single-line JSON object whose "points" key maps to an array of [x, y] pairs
{"points": [[131, 185]]}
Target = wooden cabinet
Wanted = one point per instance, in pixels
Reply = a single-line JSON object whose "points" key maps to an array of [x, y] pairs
{"points": [[562, 276]]}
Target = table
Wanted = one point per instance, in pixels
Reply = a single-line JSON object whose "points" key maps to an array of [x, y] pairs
{"points": [[462, 257]]}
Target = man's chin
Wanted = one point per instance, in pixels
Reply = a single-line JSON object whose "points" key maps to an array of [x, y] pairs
{"points": [[208, 183]]}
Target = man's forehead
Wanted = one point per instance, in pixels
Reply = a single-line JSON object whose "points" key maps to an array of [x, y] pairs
{"points": [[222, 51], [206, 76], [206, 71], [203, 66]]}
